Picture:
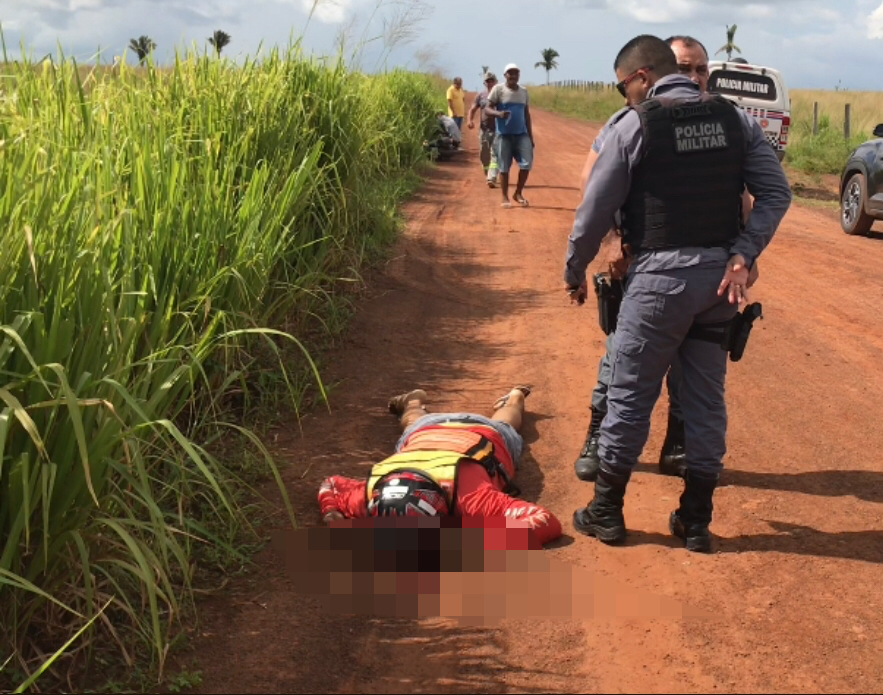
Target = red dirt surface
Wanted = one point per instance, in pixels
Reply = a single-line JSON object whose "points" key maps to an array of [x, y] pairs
{"points": [[471, 303]]}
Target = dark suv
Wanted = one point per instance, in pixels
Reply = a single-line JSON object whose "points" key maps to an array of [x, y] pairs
{"points": [[861, 186]]}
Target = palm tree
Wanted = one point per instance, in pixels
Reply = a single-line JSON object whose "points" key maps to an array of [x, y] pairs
{"points": [[548, 62], [143, 46], [484, 69], [729, 46], [219, 40]]}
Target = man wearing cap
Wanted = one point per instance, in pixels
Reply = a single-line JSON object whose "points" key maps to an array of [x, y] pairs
{"points": [[487, 130], [508, 104]]}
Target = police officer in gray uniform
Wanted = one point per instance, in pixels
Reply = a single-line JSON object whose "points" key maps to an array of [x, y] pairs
{"points": [[674, 165], [692, 60], [671, 458]]}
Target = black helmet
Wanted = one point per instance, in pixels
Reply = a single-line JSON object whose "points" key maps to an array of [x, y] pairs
{"points": [[408, 493]]}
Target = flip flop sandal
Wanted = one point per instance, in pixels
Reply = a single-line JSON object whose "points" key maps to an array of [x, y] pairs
{"points": [[507, 205], [397, 404], [503, 400], [523, 202]]}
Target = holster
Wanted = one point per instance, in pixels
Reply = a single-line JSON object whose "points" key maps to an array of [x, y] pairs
{"points": [[732, 335], [609, 292]]}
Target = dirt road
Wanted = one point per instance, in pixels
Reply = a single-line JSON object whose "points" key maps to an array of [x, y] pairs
{"points": [[471, 303]]}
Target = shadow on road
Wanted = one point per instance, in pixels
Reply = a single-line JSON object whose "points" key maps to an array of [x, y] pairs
{"points": [[557, 188], [549, 207], [863, 485], [790, 539]]}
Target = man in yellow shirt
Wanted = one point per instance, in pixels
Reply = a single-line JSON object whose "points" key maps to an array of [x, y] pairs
{"points": [[457, 102]]}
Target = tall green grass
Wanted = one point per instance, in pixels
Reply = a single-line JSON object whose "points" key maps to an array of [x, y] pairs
{"points": [[157, 227]]}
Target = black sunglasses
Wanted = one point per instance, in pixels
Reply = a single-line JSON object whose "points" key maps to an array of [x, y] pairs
{"points": [[620, 86]]}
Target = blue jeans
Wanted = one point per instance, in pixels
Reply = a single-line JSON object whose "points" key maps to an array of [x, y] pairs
{"points": [[459, 121]]}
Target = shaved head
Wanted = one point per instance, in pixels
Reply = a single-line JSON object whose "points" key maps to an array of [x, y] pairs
{"points": [[643, 51], [688, 41]]}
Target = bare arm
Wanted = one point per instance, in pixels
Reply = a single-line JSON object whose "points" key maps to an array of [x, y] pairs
{"points": [[527, 123], [472, 112], [492, 102], [491, 111], [471, 116]]}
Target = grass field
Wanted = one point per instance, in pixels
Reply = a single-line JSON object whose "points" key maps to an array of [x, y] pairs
{"points": [[171, 241], [824, 153]]}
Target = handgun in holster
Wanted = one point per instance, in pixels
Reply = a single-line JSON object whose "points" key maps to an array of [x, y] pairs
{"points": [[731, 335], [609, 292]]}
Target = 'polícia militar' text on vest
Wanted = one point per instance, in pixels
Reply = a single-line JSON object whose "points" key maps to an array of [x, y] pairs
{"points": [[700, 137]]}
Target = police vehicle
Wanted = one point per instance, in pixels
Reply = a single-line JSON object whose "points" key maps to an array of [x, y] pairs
{"points": [[758, 90]]}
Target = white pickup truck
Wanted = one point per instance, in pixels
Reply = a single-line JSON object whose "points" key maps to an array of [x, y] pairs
{"points": [[758, 90]]}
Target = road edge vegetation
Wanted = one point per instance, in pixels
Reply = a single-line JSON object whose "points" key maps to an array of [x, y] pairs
{"points": [[171, 238], [815, 154]]}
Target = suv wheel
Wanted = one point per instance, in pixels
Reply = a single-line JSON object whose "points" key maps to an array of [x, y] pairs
{"points": [[853, 218]]}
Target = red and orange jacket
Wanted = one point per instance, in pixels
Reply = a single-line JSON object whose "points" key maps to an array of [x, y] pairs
{"points": [[475, 492]]}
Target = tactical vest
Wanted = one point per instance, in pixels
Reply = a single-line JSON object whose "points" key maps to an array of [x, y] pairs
{"points": [[437, 452], [687, 188]]}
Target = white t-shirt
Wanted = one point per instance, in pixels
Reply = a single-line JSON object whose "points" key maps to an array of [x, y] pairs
{"points": [[450, 125]]}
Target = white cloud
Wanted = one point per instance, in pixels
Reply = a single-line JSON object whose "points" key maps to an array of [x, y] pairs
{"points": [[814, 42], [63, 5], [655, 11], [328, 11], [875, 24], [758, 11]]}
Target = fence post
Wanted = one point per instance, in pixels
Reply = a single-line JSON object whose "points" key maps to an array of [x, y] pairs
{"points": [[846, 123], [815, 118]]}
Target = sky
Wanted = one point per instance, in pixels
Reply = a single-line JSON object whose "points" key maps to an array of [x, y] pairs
{"points": [[814, 43]]}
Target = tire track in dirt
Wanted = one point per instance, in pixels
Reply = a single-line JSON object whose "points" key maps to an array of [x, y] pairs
{"points": [[471, 302]]}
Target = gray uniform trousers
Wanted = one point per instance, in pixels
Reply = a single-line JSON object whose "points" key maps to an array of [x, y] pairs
{"points": [[657, 310], [673, 382]]}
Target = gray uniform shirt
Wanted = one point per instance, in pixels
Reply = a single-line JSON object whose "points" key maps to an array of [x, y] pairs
{"points": [[611, 178], [598, 142]]}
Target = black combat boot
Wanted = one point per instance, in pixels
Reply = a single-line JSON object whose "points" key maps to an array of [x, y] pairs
{"points": [[690, 520], [602, 517], [586, 465], [673, 459]]}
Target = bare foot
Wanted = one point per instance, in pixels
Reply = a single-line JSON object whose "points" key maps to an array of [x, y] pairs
{"points": [[523, 391], [398, 404]]}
